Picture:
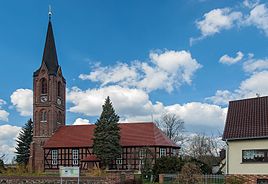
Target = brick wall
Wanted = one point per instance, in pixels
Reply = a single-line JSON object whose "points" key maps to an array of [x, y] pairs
{"points": [[111, 178], [245, 178]]}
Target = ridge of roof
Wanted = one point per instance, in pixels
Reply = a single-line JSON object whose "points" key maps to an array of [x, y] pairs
{"points": [[248, 99], [132, 134]]}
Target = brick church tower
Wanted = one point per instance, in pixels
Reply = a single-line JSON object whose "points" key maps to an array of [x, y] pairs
{"points": [[48, 101]]}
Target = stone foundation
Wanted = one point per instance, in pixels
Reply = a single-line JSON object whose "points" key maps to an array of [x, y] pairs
{"points": [[246, 178]]}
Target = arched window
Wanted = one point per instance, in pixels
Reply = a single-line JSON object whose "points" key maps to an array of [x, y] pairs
{"points": [[43, 86], [43, 116], [59, 117], [59, 88]]}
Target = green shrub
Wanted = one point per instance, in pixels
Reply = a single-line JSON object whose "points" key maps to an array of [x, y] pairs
{"points": [[168, 165]]}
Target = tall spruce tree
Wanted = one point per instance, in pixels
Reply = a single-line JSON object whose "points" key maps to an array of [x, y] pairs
{"points": [[106, 139], [23, 143]]}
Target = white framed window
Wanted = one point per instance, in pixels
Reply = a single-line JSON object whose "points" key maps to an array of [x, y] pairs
{"points": [[142, 154], [75, 156], [163, 152], [119, 160], [54, 156]]}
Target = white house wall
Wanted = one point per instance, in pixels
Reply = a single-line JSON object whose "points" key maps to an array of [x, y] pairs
{"points": [[235, 165]]}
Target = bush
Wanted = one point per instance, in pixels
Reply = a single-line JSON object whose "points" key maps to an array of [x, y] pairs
{"points": [[168, 165], [190, 174], [234, 180], [95, 171]]}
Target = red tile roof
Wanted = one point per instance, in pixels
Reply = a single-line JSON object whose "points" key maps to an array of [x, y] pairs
{"points": [[132, 134], [247, 119]]}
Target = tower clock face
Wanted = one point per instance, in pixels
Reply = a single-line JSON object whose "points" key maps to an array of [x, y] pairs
{"points": [[59, 101], [43, 98]]}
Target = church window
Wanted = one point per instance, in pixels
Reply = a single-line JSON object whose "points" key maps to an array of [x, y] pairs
{"points": [[43, 86], [59, 88], [119, 160], [163, 152], [59, 117], [142, 156], [54, 160], [75, 156], [43, 116]]}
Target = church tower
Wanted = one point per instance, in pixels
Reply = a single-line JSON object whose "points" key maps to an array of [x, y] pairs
{"points": [[48, 100]]}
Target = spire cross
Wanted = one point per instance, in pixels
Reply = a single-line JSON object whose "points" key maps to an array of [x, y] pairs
{"points": [[49, 12]]}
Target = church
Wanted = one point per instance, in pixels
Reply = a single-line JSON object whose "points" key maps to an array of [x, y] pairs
{"points": [[56, 144]]}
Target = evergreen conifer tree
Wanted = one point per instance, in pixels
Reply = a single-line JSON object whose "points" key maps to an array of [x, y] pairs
{"points": [[23, 143], [106, 139]]}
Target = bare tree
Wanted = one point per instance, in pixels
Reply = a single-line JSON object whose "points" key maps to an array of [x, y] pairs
{"points": [[202, 145], [205, 148], [173, 126]]}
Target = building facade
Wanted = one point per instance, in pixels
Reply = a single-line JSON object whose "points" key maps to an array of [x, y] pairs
{"points": [[55, 144], [48, 100], [140, 142], [246, 136]]}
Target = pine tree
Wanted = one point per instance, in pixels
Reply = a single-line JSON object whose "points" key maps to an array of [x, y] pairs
{"points": [[23, 143], [106, 139]]}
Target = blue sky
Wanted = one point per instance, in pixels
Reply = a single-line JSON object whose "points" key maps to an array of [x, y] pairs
{"points": [[151, 57]]}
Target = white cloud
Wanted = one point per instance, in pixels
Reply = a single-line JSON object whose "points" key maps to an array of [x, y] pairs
{"points": [[22, 99], [225, 59], [134, 105], [167, 70], [255, 65], [250, 3], [121, 72], [3, 113], [80, 121], [126, 101], [196, 113], [8, 135], [248, 88], [217, 20], [259, 17]]}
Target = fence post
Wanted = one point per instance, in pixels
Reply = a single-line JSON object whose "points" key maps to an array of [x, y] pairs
{"points": [[161, 178]]}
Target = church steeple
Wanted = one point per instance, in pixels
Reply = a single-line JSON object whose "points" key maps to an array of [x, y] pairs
{"points": [[50, 54], [50, 58], [49, 89]]}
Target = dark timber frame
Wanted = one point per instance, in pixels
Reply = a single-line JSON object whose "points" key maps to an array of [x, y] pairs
{"points": [[131, 157]]}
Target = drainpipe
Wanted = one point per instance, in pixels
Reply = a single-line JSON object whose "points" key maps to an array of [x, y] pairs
{"points": [[227, 157]]}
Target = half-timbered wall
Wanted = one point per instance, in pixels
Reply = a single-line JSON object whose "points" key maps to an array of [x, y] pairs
{"points": [[132, 158]]}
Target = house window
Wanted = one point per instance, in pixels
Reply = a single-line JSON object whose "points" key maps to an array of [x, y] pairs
{"points": [[142, 156], [119, 160], [163, 152], [54, 156], [255, 156], [75, 156]]}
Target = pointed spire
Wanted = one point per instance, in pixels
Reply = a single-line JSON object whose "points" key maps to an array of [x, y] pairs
{"points": [[49, 12], [50, 54]]}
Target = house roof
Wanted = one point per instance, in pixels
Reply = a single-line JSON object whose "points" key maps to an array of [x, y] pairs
{"points": [[50, 58], [247, 119], [132, 134]]}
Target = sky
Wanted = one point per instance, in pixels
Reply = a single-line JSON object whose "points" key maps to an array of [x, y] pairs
{"points": [[151, 57]]}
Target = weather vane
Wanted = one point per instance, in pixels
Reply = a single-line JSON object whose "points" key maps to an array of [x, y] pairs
{"points": [[49, 12]]}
